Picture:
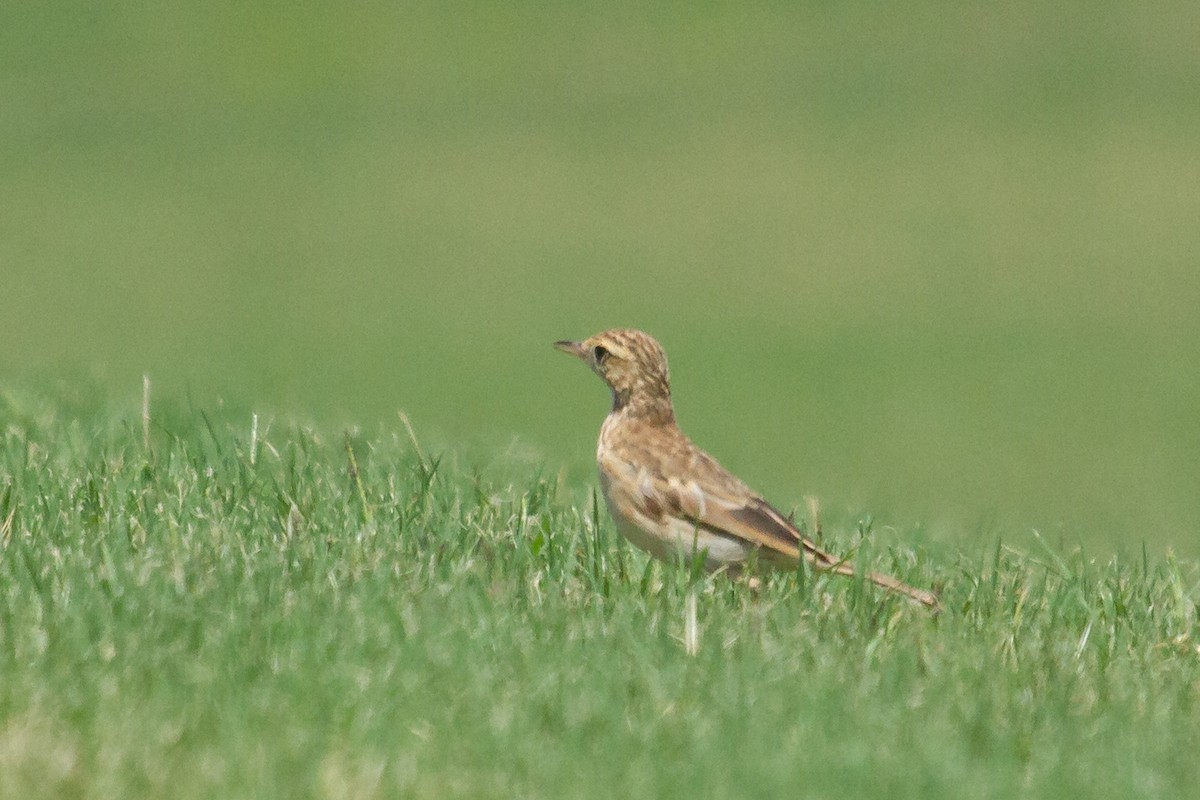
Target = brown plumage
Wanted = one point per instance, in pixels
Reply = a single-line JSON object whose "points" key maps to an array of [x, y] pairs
{"points": [[668, 496]]}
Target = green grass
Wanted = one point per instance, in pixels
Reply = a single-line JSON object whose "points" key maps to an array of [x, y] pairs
{"points": [[934, 265], [329, 614]]}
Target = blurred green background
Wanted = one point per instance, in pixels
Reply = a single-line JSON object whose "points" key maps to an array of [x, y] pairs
{"points": [[937, 261]]}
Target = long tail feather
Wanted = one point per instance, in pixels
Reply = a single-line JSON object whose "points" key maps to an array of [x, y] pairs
{"points": [[925, 598]]}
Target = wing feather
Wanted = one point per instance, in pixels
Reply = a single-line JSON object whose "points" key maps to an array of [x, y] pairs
{"points": [[754, 521]]}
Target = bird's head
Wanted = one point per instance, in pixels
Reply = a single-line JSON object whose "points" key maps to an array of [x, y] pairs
{"points": [[633, 365]]}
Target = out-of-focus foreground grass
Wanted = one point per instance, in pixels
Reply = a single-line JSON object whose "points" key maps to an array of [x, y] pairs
{"points": [[939, 262]]}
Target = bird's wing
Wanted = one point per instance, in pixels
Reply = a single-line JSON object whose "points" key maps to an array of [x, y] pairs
{"points": [[730, 510]]}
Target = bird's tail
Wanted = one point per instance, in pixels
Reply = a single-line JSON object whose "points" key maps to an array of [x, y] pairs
{"points": [[922, 596], [823, 560], [925, 598]]}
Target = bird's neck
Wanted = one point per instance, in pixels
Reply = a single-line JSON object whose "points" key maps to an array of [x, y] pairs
{"points": [[655, 409]]}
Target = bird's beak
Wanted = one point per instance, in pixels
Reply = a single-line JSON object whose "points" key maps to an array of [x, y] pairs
{"points": [[572, 348]]}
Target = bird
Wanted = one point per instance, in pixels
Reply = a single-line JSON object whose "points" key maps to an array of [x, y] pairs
{"points": [[672, 499]]}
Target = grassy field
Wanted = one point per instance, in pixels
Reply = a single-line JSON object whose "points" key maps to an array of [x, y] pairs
{"points": [[216, 612], [935, 265]]}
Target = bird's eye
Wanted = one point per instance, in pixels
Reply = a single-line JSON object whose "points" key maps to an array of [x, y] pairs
{"points": [[599, 354]]}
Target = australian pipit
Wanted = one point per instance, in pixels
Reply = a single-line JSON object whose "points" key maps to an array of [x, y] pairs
{"points": [[668, 496]]}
